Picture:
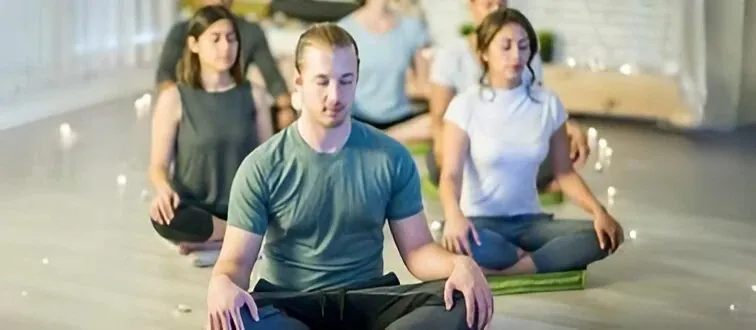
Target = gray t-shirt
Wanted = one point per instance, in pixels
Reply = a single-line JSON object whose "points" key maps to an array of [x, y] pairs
{"points": [[323, 214], [455, 65]]}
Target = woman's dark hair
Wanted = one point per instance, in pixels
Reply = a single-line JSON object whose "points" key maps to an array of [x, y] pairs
{"points": [[491, 25], [188, 68]]}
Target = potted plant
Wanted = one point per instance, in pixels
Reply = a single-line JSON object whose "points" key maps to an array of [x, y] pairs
{"points": [[466, 29], [546, 43]]}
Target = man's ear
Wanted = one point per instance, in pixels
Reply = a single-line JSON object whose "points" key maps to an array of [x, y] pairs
{"points": [[297, 78]]}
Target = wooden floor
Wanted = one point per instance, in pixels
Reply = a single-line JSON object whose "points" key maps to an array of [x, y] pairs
{"points": [[80, 254]]}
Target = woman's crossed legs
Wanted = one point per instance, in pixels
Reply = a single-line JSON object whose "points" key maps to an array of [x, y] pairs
{"points": [[534, 243]]}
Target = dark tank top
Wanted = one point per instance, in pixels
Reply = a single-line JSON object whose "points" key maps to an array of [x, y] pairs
{"points": [[216, 132]]}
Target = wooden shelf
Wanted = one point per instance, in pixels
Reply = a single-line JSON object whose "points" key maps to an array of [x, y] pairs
{"points": [[611, 93]]}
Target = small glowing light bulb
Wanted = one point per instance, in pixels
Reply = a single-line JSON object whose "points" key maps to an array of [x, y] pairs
{"points": [[598, 167], [633, 234], [145, 194], [611, 191], [602, 143], [436, 225], [121, 180], [147, 99], [183, 308], [45, 261], [626, 69], [65, 129], [732, 307], [592, 132], [753, 287], [571, 62], [24, 293], [608, 152]]}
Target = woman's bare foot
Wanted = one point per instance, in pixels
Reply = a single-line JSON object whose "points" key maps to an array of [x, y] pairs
{"points": [[186, 248]]}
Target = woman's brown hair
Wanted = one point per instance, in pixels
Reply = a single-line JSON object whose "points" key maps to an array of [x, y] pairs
{"points": [[188, 68], [491, 25]]}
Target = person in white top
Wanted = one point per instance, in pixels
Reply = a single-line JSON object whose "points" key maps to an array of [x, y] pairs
{"points": [[496, 135], [456, 67]]}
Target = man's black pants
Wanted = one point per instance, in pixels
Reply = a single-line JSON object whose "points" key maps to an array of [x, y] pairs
{"points": [[379, 304]]}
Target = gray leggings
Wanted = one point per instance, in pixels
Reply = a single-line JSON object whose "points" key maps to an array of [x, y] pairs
{"points": [[555, 245], [379, 304]]}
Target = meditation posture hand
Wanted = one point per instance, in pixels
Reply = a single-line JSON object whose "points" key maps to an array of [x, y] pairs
{"points": [[579, 149], [468, 279], [457, 231], [224, 303], [609, 231], [163, 204]]}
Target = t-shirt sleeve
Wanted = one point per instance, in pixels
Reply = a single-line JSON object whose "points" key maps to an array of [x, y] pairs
{"points": [[261, 56], [458, 113], [558, 113], [406, 197], [421, 37], [170, 55], [248, 207], [442, 68]]}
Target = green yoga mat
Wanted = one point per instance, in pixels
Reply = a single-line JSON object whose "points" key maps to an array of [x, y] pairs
{"points": [[431, 191], [551, 198], [565, 281], [427, 188], [419, 149]]}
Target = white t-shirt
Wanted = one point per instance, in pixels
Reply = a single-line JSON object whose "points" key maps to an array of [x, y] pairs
{"points": [[455, 65], [509, 134]]}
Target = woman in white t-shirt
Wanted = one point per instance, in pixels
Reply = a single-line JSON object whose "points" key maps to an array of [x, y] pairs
{"points": [[496, 134], [456, 67]]}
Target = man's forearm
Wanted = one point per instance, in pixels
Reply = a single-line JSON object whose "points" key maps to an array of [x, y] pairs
{"points": [[431, 262], [237, 273]]}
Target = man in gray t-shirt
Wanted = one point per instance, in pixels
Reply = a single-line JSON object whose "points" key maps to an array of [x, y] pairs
{"points": [[254, 50], [321, 192]]}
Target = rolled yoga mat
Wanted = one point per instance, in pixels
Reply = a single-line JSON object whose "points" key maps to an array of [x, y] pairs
{"points": [[565, 281], [419, 149], [549, 198]]}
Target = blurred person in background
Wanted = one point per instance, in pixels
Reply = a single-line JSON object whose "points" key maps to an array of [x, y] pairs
{"points": [[253, 50], [391, 45]]}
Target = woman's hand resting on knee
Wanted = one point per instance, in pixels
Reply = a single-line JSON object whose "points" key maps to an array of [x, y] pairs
{"points": [[163, 204], [609, 231], [456, 235], [224, 303]]}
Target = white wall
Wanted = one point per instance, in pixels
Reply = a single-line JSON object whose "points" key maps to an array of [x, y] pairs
{"points": [[71, 54]]}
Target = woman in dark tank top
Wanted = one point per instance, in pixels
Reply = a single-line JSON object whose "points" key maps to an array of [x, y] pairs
{"points": [[204, 126]]}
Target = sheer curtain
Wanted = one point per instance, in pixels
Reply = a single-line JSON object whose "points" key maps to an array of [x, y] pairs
{"points": [[691, 53], [56, 45]]}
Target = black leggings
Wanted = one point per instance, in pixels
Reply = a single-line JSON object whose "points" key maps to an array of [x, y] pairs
{"points": [[379, 304], [543, 180], [189, 224]]}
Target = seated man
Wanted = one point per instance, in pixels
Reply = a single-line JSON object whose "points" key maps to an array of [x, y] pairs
{"points": [[456, 67], [392, 45], [253, 50], [320, 191]]}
